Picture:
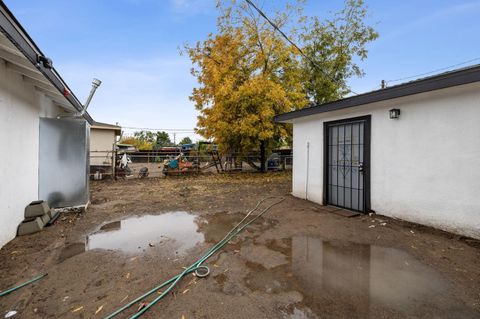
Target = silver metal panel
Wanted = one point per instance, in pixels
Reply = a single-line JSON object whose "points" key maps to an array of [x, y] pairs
{"points": [[64, 162]]}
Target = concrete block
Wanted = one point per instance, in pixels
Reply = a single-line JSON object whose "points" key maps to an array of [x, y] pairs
{"points": [[45, 218], [36, 209], [30, 227], [51, 213]]}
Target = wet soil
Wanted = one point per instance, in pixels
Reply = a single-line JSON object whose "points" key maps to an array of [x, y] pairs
{"points": [[300, 260]]}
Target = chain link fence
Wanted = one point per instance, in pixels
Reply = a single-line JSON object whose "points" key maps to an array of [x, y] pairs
{"points": [[171, 161]]}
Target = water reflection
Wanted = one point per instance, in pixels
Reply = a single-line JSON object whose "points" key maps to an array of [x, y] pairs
{"points": [[352, 279], [137, 234], [172, 233]]}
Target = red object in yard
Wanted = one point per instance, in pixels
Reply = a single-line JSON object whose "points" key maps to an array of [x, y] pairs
{"points": [[185, 165]]}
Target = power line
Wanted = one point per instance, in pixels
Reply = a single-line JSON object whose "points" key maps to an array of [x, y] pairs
{"points": [[250, 3], [175, 130], [434, 71]]}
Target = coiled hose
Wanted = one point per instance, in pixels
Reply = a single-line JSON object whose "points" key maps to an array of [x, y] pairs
{"points": [[198, 264]]}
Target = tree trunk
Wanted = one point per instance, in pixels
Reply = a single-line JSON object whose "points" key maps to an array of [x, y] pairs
{"points": [[262, 157]]}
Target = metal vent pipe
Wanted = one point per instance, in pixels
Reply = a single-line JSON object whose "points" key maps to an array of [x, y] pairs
{"points": [[95, 84]]}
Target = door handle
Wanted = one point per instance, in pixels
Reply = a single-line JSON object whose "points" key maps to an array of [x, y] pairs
{"points": [[361, 168]]}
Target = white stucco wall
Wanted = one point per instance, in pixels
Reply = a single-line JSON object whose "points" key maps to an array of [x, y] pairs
{"points": [[101, 145], [20, 108], [425, 166]]}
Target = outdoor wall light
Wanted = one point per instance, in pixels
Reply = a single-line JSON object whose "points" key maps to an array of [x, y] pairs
{"points": [[394, 113]]}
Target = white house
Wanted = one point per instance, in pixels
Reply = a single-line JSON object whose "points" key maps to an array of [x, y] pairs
{"points": [[410, 151], [103, 138], [44, 147]]}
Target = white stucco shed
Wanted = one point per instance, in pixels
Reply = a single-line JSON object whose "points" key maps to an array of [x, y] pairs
{"points": [[421, 163]]}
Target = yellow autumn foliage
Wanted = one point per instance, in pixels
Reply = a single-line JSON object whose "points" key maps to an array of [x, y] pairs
{"points": [[247, 74], [141, 145]]}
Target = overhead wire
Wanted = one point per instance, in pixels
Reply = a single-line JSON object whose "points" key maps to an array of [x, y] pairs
{"points": [[433, 71], [250, 3], [178, 130]]}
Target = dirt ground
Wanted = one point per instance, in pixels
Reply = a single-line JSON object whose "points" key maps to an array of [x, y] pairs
{"points": [[299, 260]]}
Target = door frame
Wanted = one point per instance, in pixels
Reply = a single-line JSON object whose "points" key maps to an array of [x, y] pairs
{"points": [[366, 156]]}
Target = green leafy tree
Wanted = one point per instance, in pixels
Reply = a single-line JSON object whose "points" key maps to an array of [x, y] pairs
{"points": [[145, 136], [334, 45], [162, 139], [248, 73], [147, 140], [186, 140]]}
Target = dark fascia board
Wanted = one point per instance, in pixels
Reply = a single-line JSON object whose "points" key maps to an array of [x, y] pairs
{"points": [[14, 32], [106, 126], [95, 123], [437, 82]]}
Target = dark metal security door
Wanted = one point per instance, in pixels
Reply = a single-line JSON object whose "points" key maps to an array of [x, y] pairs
{"points": [[347, 163]]}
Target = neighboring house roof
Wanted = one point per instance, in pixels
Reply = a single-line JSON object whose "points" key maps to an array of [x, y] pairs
{"points": [[126, 147], [106, 126], [25, 57], [440, 81]]}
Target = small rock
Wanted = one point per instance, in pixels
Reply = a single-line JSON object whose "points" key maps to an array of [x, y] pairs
{"points": [[371, 226]]}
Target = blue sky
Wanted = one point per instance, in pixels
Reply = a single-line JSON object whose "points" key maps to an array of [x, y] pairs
{"points": [[132, 46]]}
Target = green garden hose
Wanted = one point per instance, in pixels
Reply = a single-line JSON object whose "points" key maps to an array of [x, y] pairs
{"points": [[198, 264], [6, 292]]}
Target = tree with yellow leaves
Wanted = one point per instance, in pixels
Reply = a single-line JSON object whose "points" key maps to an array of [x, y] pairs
{"points": [[247, 74]]}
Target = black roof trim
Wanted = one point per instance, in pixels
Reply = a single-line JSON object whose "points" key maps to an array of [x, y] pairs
{"points": [[15, 32], [440, 81], [116, 128], [106, 125]]}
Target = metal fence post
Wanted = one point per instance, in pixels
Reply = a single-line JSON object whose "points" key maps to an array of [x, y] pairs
{"points": [[114, 159]]}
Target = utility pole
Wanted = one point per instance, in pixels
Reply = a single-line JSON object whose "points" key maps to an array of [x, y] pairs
{"points": [[174, 139], [383, 84]]}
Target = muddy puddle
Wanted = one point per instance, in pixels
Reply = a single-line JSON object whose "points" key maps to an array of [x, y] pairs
{"points": [[215, 227], [172, 233], [178, 230], [347, 279]]}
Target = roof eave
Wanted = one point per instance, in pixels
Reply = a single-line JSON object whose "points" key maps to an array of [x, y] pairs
{"points": [[442, 81], [117, 130], [14, 31]]}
